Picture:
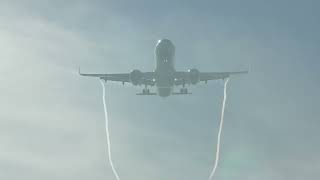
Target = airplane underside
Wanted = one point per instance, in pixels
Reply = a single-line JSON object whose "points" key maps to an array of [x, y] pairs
{"points": [[164, 77]]}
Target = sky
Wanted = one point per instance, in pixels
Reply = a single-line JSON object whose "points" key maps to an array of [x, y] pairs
{"points": [[52, 121]]}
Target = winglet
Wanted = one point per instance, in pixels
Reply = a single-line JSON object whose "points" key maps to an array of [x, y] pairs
{"points": [[79, 71]]}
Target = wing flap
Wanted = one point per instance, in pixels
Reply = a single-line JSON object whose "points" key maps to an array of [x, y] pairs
{"points": [[206, 76], [184, 77], [147, 77]]}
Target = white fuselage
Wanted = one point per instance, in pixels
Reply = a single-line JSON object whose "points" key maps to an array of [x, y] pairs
{"points": [[164, 55]]}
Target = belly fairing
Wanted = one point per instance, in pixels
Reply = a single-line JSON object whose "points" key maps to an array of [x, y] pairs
{"points": [[164, 92]]}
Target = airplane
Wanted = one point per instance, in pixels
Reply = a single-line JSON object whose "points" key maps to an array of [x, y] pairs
{"points": [[165, 76]]}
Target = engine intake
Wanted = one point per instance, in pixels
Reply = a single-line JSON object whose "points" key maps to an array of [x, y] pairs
{"points": [[194, 76], [136, 77]]}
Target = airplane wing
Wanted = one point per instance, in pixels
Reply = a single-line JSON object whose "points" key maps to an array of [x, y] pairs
{"points": [[194, 76], [206, 76], [145, 78]]}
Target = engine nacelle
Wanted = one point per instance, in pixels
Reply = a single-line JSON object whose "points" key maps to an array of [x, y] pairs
{"points": [[194, 76], [136, 77]]}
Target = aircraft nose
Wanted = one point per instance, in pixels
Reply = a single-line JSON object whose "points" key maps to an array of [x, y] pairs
{"points": [[164, 41], [165, 48]]}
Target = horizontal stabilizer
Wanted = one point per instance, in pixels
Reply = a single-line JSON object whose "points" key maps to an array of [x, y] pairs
{"points": [[179, 93], [146, 94]]}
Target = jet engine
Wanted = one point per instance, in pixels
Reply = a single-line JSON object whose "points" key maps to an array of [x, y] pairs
{"points": [[136, 77], [194, 76]]}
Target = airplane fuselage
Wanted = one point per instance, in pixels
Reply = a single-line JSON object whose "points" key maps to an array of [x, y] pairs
{"points": [[164, 55]]}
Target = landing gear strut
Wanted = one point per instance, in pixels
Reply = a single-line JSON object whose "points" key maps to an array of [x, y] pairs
{"points": [[184, 90]]}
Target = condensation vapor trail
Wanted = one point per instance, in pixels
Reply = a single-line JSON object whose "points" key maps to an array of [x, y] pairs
{"points": [[220, 130], [107, 130]]}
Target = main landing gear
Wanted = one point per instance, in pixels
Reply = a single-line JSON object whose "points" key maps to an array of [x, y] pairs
{"points": [[146, 90], [184, 90]]}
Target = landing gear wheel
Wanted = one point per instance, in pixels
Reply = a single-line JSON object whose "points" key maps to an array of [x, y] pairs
{"points": [[184, 90], [145, 91]]}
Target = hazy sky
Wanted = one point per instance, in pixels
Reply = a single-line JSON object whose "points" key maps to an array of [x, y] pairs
{"points": [[52, 122]]}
